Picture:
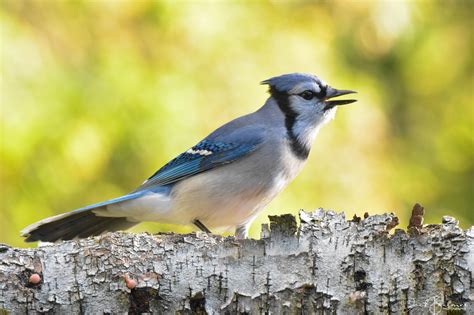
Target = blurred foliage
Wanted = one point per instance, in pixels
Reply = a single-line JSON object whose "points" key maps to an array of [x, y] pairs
{"points": [[96, 95]]}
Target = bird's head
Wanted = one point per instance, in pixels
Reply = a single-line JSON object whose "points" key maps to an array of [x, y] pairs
{"points": [[305, 97], [307, 103]]}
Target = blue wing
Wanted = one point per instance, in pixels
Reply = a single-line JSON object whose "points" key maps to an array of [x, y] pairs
{"points": [[204, 156]]}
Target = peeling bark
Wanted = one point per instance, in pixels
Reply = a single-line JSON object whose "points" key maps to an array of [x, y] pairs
{"points": [[326, 266]]}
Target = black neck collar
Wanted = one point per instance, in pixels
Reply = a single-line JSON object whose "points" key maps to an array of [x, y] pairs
{"points": [[300, 150]]}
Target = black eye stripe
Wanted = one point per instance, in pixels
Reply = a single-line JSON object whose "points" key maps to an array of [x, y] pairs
{"points": [[309, 95], [322, 91]]}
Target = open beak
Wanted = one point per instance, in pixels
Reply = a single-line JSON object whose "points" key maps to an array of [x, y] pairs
{"points": [[331, 92]]}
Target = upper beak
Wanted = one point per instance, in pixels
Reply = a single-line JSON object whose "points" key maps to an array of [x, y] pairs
{"points": [[332, 92]]}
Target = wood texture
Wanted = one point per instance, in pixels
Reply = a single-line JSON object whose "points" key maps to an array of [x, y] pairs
{"points": [[326, 266]]}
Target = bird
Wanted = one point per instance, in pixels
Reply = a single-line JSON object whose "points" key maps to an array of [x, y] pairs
{"points": [[226, 179]]}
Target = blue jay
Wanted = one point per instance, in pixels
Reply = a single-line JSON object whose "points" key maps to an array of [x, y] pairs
{"points": [[226, 179]]}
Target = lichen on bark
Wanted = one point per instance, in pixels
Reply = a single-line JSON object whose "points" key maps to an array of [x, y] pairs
{"points": [[327, 265]]}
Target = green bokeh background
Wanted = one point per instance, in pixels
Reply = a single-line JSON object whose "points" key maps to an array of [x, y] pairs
{"points": [[96, 95]]}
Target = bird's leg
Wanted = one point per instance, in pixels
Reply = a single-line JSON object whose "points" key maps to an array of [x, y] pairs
{"points": [[201, 226]]}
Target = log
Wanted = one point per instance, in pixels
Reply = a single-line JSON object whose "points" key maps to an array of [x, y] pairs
{"points": [[327, 265]]}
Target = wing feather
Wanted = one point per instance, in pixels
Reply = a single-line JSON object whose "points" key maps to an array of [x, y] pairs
{"points": [[204, 156]]}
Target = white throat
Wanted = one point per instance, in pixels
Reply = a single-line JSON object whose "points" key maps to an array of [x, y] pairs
{"points": [[305, 134]]}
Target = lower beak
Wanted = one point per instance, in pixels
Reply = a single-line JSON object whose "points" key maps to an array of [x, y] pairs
{"points": [[331, 92]]}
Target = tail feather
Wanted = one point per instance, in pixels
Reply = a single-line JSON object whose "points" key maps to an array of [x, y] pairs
{"points": [[106, 224], [74, 225], [79, 223]]}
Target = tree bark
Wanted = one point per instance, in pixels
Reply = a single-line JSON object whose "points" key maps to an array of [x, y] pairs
{"points": [[326, 266]]}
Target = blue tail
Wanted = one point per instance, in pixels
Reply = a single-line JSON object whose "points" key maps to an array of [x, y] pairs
{"points": [[79, 223]]}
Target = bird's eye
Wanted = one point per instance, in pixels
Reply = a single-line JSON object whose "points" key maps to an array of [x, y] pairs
{"points": [[307, 95]]}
